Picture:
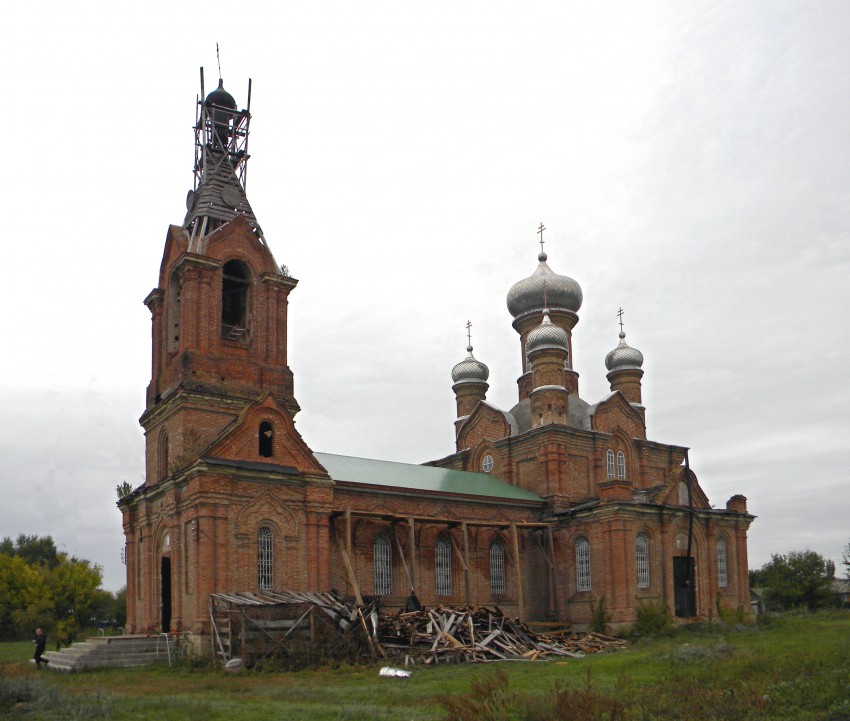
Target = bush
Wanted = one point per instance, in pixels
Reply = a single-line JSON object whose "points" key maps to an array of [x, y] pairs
{"points": [[733, 616], [599, 617], [653, 618], [490, 700]]}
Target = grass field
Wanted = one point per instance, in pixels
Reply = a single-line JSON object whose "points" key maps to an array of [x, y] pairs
{"points": [[797, 667]]}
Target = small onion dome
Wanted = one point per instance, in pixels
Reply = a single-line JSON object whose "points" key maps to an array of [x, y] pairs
{"points": [[547, 335], [220, 98], [470, 370], [527, 294], [623, 356]]}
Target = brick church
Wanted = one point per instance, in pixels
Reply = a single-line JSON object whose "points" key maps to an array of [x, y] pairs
{"points": [[544, 509]]}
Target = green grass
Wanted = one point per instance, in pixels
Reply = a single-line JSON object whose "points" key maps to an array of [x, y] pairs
{"points": [[795, 668]]}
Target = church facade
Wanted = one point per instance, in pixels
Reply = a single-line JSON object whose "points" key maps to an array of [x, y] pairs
{"points": [[547, 509]]}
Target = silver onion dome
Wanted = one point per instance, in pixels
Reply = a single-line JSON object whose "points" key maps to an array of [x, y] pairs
{"points": [[470, 370], [527, 294], [547, 335], [623, 356]]}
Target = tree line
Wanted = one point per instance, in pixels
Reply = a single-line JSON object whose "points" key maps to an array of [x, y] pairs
{"points": [[799, 579], [41, 586]]}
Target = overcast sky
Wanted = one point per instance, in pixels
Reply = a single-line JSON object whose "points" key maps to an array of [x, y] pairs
{"points": [[690, 161]]}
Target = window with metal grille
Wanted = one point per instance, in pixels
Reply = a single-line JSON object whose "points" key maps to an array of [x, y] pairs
{"points": [[610, 456], [383, 561], [582, 565], [621, 464], [443, 566], [722, 564], [265, 559], [642, 560], [497, 567]]}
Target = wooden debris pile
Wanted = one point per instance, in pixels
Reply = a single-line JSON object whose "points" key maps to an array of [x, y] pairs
{"points": [[455, 635]]}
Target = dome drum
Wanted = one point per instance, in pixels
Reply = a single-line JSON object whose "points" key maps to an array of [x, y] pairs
{"points": [[566, 319]]}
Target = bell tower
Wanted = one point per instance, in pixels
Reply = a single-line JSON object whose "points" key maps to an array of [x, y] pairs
{"points": [[219, 311]]}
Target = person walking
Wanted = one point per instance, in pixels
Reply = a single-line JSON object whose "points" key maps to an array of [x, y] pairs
{"points": [[40, 641]]}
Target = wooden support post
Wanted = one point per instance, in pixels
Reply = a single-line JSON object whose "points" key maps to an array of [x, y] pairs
{"points": [[348, 530], [520, 598], [404, 562], [412, 543], [348, 567], [466, 561]]}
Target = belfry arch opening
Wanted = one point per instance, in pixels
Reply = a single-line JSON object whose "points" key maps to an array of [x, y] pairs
{"points": [[172, 328], [266, 448], [235, 283]]}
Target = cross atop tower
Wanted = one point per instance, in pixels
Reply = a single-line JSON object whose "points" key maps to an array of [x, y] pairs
{"points": [[469, 332], [540, 233], [620, 314]]}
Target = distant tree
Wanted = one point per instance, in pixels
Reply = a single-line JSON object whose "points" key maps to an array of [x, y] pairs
{"points": [[24, 599], [35, 550], [40, 586], [119, 612], [830, 569], [845, 560], [796, 579], [74, 585]]}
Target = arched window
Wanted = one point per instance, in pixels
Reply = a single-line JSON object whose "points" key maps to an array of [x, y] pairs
{"points": [[497, 567], [162, 454], [265, 559], [621, 464], [443, 566], [583, 565], [610, 456], [266, 439], [235, 281], [382, 550], [642, 560], [722, 563]]}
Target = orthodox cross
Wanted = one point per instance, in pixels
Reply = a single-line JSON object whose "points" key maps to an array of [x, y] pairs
{"points": [[540, 233], [218, 59], [469, 332], [620, 313]]}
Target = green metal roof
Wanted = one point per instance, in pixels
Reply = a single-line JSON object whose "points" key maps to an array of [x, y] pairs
{"points": [[349, 469]]}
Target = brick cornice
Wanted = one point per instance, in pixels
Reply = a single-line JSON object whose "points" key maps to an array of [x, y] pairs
{"points": [[154, 298], [190, 260], [280, 281]]}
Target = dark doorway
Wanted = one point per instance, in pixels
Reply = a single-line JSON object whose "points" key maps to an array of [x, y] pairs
{"points": [[165, 584], [683, 586]]}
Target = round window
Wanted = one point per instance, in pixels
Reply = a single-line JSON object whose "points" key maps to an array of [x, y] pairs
{"points": [[487, 463]]}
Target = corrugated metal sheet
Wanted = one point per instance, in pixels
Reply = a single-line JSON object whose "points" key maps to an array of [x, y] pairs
{"points": [[349, 469]]}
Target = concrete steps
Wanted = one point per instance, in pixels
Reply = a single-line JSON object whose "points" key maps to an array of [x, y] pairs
{"points": [[111, 652]]}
